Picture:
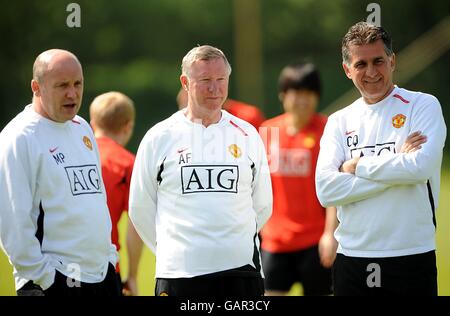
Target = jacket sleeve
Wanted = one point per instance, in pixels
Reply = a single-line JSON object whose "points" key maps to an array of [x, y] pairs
{"points": [[416, 167], [261, 185], [18, 225], [143, 193], [337, 188]]}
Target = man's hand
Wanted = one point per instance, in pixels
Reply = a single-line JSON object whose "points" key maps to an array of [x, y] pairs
{"points": [[327, 249], [130, 287], [350, 165], [30, 289], [413, 142]]}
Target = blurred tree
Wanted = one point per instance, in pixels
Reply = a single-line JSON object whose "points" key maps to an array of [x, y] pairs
{"points": [[248, 66], [137, 46]]}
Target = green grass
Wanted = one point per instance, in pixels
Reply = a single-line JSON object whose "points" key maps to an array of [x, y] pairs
{"points": [[146, 273], [443, 227], [147, 265]]}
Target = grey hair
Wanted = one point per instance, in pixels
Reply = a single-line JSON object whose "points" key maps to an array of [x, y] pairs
{"points": [[204, 52], [363, 33]]}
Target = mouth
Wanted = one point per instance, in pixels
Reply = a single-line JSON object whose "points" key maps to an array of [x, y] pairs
{"points": [[69, 105], [372, 81], [214, 99]]}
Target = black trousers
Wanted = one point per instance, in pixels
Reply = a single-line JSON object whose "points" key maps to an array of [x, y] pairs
{"points": [[410, 275], [60, 287], [240, 282], [284, 269]]}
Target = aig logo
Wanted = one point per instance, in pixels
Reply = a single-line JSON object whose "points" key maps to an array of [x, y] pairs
{"points": [[83, 179], [291, 162], [376, 150], [209, 178]]}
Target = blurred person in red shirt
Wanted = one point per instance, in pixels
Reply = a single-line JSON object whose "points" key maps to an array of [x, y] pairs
{"points": [[297, 242], [112, 119]]}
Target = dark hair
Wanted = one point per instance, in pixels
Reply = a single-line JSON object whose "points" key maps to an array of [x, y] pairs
{"points": [[299, 76], [363, 33]]}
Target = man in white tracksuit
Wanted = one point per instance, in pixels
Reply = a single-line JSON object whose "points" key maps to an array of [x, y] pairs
{"points": [[379, 162], [201, 191], [54, 222]]}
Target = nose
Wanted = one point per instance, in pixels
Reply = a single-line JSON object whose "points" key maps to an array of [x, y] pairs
{"points": [[213, 86], [371, 70], [71, 92]]}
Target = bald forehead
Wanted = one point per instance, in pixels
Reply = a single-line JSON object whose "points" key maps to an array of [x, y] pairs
{"points": [[51, 59]]}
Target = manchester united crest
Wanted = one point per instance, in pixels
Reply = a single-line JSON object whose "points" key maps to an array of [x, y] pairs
{"points": [[309, 141], [87, 142], [398, 120], [235, 150]]}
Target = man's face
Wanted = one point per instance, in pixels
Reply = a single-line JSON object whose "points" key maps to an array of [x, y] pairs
{"points": [[371, 70], [61, 89], [207, 84], [301, 103]]}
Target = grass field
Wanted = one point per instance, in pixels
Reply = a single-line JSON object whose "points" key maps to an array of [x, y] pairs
{"points": [[147, 266]]}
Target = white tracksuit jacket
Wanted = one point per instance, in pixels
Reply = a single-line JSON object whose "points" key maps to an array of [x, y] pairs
{"points": [[199, 195], [53, 212], [387, 208]]}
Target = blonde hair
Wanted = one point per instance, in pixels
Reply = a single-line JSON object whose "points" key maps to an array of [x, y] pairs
{"points": [[111, 111], [204, 52]]}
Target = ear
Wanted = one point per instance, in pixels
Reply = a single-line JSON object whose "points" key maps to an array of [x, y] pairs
{"points": [[347, 70], [92, 123], [35, 88], [127, 129], [129, 126], [281, 96], [393, 59], [184, 82]]}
